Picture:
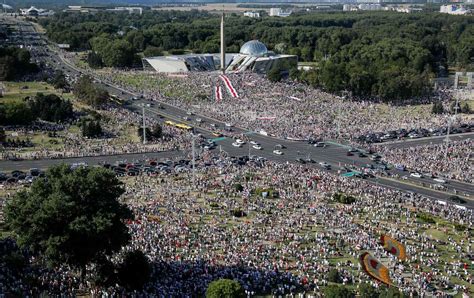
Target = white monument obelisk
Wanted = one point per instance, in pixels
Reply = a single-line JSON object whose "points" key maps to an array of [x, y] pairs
{"points": [[223, 65]]}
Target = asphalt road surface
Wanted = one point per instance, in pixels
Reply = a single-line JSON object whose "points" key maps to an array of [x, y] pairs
{"points": [[334, 154], [426, 141]]}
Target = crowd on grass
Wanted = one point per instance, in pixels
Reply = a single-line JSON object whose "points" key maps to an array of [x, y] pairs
{"points": [[120, 127], [453, 160], [285, 109], [287, 236]]}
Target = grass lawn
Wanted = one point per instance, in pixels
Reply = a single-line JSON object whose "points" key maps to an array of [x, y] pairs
{"points": [[16, 91], [437, 234]]}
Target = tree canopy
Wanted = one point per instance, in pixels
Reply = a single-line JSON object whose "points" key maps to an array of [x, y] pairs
{"points": [[86, 91], [383, 55], [45, 107], [135, 270], [71, 216], [14, 62], [227, 288]]}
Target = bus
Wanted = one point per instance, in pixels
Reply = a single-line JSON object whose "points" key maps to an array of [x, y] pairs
{"points": [[179, 125], [117, 99], [184, 126]]}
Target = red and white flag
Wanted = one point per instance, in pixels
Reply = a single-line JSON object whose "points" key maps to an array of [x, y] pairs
{"points": [[218, 93], [228, 85]]}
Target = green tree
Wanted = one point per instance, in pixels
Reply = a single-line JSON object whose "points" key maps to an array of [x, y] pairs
{"points": [[51, 108], [71, 216], [333, 276], [3, 135], [15, 113], [157, 131], [87, 92], [274, 75], [307, 54], [367, 291], [465, 108], [135, 271], [335, 291], [152, 51], [437, 108], [94, 60], [91, 129], [225, 288], [238, 187], [59, 81], [147, 133], [390, 292]]}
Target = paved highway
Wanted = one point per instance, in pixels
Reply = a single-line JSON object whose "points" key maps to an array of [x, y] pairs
{"points": [[426, 141], [334, 154]]}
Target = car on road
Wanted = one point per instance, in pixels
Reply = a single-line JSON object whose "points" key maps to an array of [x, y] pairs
{"points": [[217, 134], [257, 147], [239, 141], [362, 155], [353, 149], [349, 153], [300, 160], [320, 144], [325, 165], [400, 167], [277, 152], [375, 157], [457, 199], [189, 113], [253, 142], [440, 180], [416, 175], [198, 120], [309, 160], [279, 146], [235, 144], [228, 125]]}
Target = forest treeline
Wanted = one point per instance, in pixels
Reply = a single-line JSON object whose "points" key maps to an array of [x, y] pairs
{"points": [[15, 62], [377, 54]]}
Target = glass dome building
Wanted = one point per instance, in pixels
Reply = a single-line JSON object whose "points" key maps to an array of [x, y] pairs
{"points": [[254, 48], [253, 56]]}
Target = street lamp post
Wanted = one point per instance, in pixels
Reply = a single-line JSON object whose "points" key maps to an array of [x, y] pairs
{"points": [[194, 159], [144, 125], [456, 106]]}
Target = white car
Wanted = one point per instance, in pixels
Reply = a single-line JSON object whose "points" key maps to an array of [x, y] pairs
{"points": [[253, 143], [239, 141], [257, 147], [228, 125], [439, 180], [323, 164], [416, 175], [198, 120], [320, 144], [277, 152], [235, 144]]}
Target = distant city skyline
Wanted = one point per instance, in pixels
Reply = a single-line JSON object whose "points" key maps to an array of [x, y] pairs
{"points": [[59, 3]]}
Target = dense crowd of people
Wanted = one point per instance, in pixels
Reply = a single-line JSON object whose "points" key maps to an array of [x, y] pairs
{"points": [[453, 160], [274, 227], [285, 109], [120, 126], [290, 233]]}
